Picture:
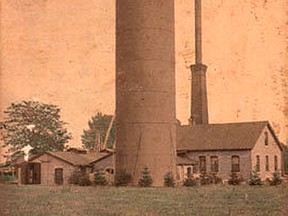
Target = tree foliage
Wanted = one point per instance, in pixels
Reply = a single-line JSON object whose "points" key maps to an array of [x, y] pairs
{"points": [[95, 135], [276, 179], [123, 179], [146, 180], [79, 178], [169, 180], [255, 179], [99, 179], [35, 124]]}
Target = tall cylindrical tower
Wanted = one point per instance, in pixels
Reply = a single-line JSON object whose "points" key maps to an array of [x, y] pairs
{"points": [[145, 88]]}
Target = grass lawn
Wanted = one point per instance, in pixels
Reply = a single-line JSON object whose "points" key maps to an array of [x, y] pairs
{"points": [[206, 200]]}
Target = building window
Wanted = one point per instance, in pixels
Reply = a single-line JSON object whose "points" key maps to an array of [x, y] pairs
{"points": [[214, 164], [235, 161], [202, 164], [189, 172], [267, 163], [257, 163], [275, 163], [266, 138], [58, 177]]}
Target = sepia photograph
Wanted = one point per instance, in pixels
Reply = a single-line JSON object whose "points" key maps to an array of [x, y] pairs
{"points": [[144, 107]]}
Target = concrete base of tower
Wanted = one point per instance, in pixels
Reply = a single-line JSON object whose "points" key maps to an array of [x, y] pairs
{"points": [[159, 159]]}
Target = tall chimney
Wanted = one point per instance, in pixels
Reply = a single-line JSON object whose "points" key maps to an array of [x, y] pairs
{"points": [[199, 104], [145, 89]]}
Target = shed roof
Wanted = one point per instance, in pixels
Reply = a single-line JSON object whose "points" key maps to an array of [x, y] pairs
{"points": [[75, 159], [228, 136]]}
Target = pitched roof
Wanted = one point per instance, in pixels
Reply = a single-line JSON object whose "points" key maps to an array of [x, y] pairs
{"points": [[228, 136], [76, 159]]}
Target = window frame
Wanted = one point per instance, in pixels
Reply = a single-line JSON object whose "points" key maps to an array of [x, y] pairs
{"points": [[59, 179], [266, 138], [267, 167], [233, 165], [202, 164], [275, 163], [214, 164], [257, 166]]}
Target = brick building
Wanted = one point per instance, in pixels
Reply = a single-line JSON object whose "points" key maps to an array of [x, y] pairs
{"points": [[233, 147], [223, 148]]}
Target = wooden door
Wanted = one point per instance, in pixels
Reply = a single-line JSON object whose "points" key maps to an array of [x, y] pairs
{"points": [[37, 173]]}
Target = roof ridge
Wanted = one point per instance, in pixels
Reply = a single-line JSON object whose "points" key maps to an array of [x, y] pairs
{"points": [[228, 123]]}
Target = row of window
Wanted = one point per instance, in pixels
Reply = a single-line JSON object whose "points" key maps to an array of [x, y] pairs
{"points": [[267, 166], [214, 162], [235, 163]]}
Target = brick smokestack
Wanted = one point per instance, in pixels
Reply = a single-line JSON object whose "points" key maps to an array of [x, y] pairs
{"points": [[145, 89], [199, 103]]}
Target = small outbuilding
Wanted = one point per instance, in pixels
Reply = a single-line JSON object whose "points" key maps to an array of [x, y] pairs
{"points": [[55, 168]]}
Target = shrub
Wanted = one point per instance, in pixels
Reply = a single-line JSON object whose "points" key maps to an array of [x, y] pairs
{"points": [[235, 179], [79, 178], [276, 179], [190, 182], [169, 180], [206, 179], [123, 179], [146, 180], [8, 178], [99, 179], [255, 179]]}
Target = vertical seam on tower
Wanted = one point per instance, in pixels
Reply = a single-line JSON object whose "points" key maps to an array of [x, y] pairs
{"points": [[137, 153], [172, 153]]}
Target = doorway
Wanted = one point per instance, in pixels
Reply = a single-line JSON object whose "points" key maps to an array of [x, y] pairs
{"points": [[33, 173]]}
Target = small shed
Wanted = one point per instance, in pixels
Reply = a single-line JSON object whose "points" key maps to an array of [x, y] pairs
{"points": [[55, 168]]}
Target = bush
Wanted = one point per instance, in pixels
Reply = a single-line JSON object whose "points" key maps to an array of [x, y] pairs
{"points": [[169, 180], [190, 182], [255, 179], [146, 180], [206, 179], [99, 179], [8, 178], [235, 179], [276, 179], [79, 178], [123, 179]]}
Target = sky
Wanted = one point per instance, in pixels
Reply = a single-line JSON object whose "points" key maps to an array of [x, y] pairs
{"points": [[63, 52]]}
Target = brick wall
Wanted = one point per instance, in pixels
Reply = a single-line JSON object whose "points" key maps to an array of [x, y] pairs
{"points": [[271, 150], [105, 163], [224, 159], [48, 166]]}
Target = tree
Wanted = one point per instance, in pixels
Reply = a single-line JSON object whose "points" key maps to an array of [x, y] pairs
{"points": [[146, 180], [255, 179], [169, 180], [93, 137], [33, 123]]}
